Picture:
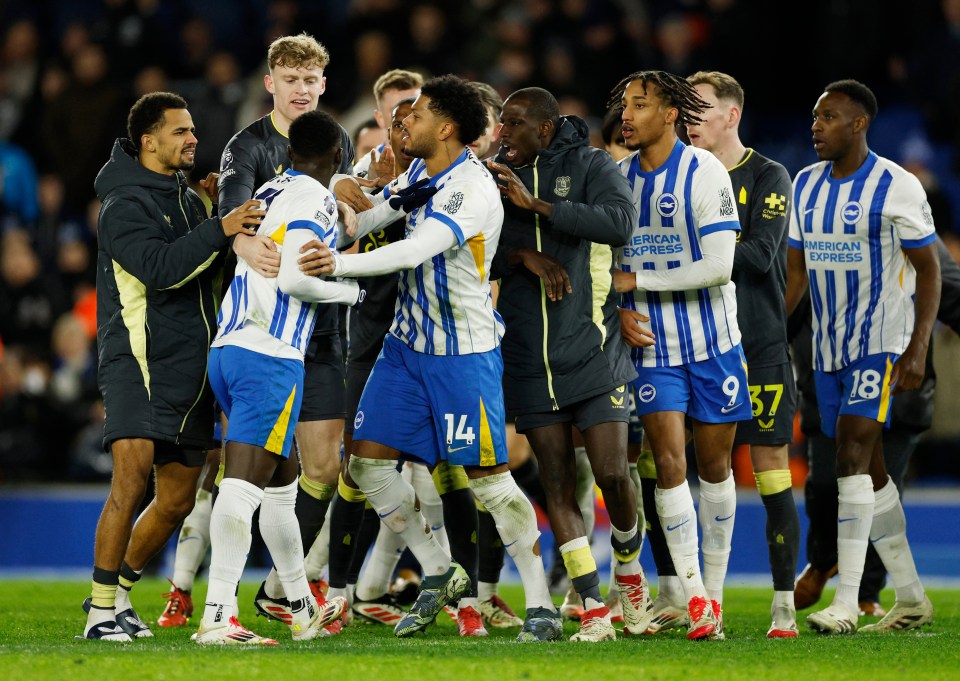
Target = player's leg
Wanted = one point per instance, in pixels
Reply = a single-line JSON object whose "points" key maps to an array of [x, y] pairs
{"points": [[460, 520], [132, 464], [821, 500]]}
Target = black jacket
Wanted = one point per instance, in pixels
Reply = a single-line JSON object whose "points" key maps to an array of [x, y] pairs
{"points": [[158, 268], [556, 353]]}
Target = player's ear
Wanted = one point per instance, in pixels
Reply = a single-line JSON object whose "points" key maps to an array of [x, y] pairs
{"points": [[268, 83], [338, 157]]}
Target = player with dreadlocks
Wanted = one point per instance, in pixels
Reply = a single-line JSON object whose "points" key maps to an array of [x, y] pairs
{"points": [[675, 275]]}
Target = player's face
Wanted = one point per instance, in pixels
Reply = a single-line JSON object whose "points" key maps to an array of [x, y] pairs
{"points": [[421, 130], [519, 133], [834, 118], [388, 102], [174, 143], [483, 145], [295, 90], [716, 120], [644, 119], [397, 131]]}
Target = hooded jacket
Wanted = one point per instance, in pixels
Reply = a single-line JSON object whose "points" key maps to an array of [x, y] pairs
{"points": [[158, 265], [558, 353]]}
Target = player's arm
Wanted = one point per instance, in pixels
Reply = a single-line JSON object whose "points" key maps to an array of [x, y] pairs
{"points": [[769, 220], [431, 238], [796, 264], [713, 269], [135, 241], [949, 312], [309, 289], [908, 370]]}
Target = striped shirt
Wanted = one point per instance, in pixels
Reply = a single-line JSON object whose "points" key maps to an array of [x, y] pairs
{"points": [[852, 232], [444, 306], [255, 313], [685, 199]]}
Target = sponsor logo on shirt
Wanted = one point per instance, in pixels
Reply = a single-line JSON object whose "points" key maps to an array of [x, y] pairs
{"points": [[774, 206], [726, 202], [653, 244], [832, 251], [453, 203]]}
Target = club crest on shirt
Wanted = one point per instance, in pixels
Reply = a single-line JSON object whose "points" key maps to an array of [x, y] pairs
{"points": [[667, 205], [726, 202], [453, 203], [563, 186], [851, 213]]}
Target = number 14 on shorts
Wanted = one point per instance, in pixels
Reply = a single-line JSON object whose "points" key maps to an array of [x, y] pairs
{"points": [[463, 433]]}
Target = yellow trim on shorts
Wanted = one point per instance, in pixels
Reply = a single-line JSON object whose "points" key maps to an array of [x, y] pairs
{"points": [[772, 482], [885, 394], [488, 453], [579, 562], [279, 432]]}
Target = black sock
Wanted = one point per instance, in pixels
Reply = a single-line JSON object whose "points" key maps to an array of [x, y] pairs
{"points": [[822, 504], [346, 517], [369, 527], [527, 476], [655, 536], [588, 586], [783, 537], [311, 513], [490, 549], [460, 517]]}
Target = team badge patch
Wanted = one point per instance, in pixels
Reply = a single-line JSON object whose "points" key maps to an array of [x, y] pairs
{"points": [[226, 159], [329, 205], [453, 203], [358, 421], [851, 213], [563, 186], [646, 393], [667, 205]]}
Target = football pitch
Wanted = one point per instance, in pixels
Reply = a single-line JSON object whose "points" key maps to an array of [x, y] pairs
{"points": [[39, 619]]}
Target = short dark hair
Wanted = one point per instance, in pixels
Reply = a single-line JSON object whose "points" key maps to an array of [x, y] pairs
{"points": [[454, 98], [405, 100], [314, 133], [610, 130], [146, 115], [858, 92], [540, 104]]}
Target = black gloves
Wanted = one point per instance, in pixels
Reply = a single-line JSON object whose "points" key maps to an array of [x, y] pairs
{"points": [[412, 197]]}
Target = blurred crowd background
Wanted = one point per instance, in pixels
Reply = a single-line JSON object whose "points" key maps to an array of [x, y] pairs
{"points": [[70, 69]]}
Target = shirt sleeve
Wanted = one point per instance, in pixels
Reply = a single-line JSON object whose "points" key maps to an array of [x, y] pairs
{"points": [[712, 197], [292, 281], [911, 214], [713, 269], [238, 176], [759, 248], [429, 239]]}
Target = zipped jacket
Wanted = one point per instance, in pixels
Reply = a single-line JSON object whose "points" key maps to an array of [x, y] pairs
{"points": [[558, 353], [158, 266]]}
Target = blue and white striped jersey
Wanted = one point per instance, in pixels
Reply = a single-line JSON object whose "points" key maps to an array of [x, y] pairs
{"points": [[686, 198], [444, 306], [255, 313], [852, 232]]}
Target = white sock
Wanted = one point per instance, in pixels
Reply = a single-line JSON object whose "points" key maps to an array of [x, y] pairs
{"points": [[517, 525], [230, 525], [431, 507], [854, 517], [584, 491], [193, 541], [383, 559], [281, 534], [718, 508], [273, 586], [487, 590], [679, 521], [670, 588], [394, 500], [318, 555], [889, 537]]}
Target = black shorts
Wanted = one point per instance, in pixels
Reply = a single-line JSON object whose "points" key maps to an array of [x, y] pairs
{"points": [[357, 375], [773, 397], [608, 407], [324, 392], [168, 452]]}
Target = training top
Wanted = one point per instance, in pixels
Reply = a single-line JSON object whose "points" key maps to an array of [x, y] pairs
{"points": [[685, 199], [852, 232]]}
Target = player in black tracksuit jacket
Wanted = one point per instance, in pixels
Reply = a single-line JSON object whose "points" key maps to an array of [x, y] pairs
{"points": [[562, 366]]}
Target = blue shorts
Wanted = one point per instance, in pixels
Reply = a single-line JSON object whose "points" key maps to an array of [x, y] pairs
{"points": [[861, 388], [712, 391], [260, 395], [435, 407]]}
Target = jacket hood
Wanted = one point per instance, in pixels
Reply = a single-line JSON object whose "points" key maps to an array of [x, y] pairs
{"points": [[572, 133], [124, 170]]}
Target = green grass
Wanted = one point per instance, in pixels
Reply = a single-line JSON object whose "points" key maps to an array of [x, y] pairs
{"points": [[38, 620]]}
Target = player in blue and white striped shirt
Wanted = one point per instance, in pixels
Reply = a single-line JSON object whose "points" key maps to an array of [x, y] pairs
{"points": [[676, 274], [861, 231], [256, 371]]}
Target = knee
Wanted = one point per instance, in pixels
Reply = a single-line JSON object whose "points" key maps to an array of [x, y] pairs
{"points": [[612, 481], [175, 509]]}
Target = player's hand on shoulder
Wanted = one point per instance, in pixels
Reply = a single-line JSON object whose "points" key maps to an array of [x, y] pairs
{"points": [[554, 276], [243, 219], [635, 335], [260, 253], [624, 281], [350, 192], [414, 196], [317, 260]]}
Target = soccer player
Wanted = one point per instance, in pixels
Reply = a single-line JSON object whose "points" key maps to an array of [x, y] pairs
{"points": [[862, 233], [257, 373], [561, 194], [155, 314], [676, 272], [388, 90], [762, 190], [255, 155], [441, 360]]}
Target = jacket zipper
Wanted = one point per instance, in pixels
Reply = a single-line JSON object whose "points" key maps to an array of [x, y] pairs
{"points": [[206, 324], [543, 293]]}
